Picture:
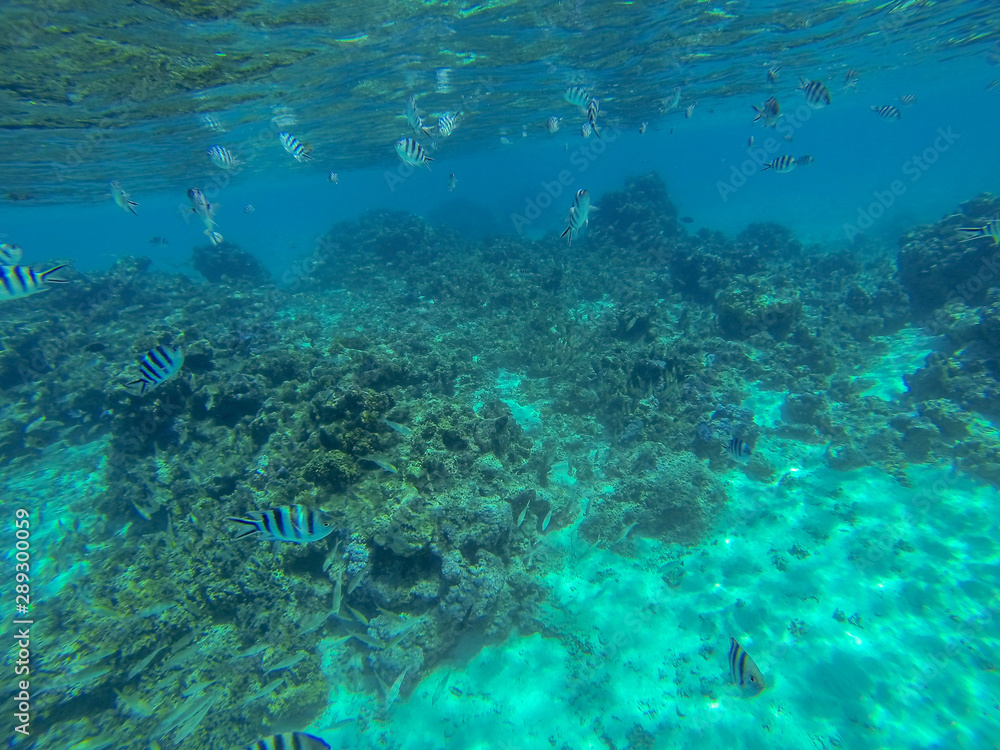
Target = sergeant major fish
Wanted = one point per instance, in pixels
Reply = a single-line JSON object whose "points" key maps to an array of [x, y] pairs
{"points": [[887, 112], [122, 199], [781, 164], [298, 150], [446, 124], [817, 94], [578, 96], [743, 670], [593, 108], [413, 118], [289, 741], [289, 523], [579, 215], [156, 367], [413, 153], [21, 281], [738, 450], [223, 158], [552, 124]]}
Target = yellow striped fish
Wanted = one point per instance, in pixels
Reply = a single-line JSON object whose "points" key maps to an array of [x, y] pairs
{"points": [[21, 281], [743, 670]]}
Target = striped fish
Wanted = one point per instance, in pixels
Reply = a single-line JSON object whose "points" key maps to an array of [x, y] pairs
{"points": [[289, 523], [10, 254], [907, 99], [552, 124], [990, 229], [738, 450], [593, 107], [742, 668], [222, 157], [293, 146], [816, 93], [289, 741], [21, 281], [413, 118], [769, 112], [122, 199], [157, 366], [446, 124], [413, 153], [578, 96], [887, 112], [586, 130], [781, 164], [579, 216]]}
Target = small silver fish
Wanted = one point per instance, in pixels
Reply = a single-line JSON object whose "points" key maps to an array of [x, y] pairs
{"points": [[248, 208], [122, 199], [402, 429], [772, 74], [452, 182], [552, 124], [333, 177], [642, 127], [382, 462], [689, 112], [545, 521], [520, 518], [287, 662], [201, 208]]}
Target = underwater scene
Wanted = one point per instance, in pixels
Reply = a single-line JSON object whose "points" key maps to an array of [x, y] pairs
{"points": [[500, 374]]}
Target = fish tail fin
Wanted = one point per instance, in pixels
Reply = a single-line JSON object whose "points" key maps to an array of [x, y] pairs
{"points": [[44, 275], [427, 161], [972, 233], [255, 528], [765, 167], [131, 207]]}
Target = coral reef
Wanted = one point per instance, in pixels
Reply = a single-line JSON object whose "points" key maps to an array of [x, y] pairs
{"points": [[447, 414]]}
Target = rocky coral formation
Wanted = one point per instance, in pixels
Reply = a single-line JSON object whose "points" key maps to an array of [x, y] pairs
{"points": [[447, 414]]}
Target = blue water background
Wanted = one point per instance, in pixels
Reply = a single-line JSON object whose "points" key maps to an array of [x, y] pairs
{"points": [[856, 155]]}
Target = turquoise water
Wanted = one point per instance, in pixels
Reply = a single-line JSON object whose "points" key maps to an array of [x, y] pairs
{"points": [[537, 537]]}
